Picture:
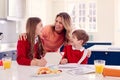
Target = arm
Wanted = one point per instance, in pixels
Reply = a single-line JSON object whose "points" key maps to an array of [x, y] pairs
{"points": [[22, 51], [89, 53], [64, 59]]}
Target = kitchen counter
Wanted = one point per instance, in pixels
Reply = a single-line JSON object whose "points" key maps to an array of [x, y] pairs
{"points": [[7, 47], [109, 48], [16, 73], [99, 42]]}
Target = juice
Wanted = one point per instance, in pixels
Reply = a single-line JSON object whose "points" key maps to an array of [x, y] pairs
{"points": [[7, 64], [99, 68]]}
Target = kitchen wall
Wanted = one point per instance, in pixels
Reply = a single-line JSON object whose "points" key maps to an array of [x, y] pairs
{"points": [[105, 18], [117, 22], [106, 23], [9, 32]]}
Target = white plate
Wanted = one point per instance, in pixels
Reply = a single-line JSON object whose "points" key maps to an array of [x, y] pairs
{"points": [[47, 75]]}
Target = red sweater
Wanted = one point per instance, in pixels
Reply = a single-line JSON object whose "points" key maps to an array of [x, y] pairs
{"points": [[73, 56], [23, 48]]}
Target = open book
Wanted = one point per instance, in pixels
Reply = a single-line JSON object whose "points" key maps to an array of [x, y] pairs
{"points": [[53, 58]]}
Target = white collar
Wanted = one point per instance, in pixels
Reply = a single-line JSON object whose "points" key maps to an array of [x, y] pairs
{"points": [[36, 40], [81, 49]]}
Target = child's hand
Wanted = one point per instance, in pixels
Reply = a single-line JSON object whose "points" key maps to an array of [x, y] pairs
{"points": [[64, 61], [89, 53]]}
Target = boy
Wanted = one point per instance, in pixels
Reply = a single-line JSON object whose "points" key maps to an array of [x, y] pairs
{"points": [[76, 53]]}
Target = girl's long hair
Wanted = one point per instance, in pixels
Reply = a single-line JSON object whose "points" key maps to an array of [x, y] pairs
{"points": [[30, 30]]}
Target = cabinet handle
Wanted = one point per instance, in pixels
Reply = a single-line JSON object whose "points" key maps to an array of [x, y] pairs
{"points": [[106, 53]]}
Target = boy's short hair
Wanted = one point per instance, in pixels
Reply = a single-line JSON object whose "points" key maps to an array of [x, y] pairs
{"points": [[81, 35]]}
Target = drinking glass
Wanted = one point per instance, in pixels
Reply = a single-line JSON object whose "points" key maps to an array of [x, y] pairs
{"points": [[99, 65], [7, 62]]}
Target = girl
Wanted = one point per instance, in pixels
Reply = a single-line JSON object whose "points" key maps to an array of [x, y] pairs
{"points": [[30, 50]]}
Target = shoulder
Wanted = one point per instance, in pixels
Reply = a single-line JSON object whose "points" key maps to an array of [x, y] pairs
{"points": [[47, 27], [68, 46]]}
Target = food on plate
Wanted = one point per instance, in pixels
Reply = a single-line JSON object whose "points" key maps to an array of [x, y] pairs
{"points": [[47, 70]]}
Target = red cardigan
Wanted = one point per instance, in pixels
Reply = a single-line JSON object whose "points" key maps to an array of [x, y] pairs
{"points": [[73, 56], [23, 48]]}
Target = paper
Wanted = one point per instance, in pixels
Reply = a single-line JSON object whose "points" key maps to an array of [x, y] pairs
{"points": [[81, 69], [53, 58]]}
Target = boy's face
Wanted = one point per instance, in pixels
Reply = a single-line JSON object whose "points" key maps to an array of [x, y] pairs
{"points": [[75, 41]]}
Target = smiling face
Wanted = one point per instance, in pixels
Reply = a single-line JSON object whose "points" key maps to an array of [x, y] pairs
{"points": [[58, 25]]}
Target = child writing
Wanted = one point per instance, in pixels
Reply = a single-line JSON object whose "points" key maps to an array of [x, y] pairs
{"points": [[31, 51], [76, 53]]}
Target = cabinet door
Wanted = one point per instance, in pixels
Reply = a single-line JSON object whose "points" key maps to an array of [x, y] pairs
{"points": [[1, 55], [11, 54], [113, 58], [16, 8], [96, 55], [2, 9]]}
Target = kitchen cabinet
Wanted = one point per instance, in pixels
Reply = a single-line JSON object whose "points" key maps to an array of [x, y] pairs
{"points": [[109, 53], [8, 49], [12, 9], [16, 9], [11, 54], [111, 58], [3, 6]]}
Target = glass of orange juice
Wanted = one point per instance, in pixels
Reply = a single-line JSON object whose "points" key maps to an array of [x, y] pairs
{"points": [[7, 62], [99, 65]]}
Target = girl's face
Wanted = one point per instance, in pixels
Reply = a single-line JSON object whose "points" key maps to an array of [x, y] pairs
{"points": [[58, 25], [39, 28]]}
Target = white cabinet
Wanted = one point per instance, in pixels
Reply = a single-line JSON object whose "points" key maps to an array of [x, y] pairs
{"points": [[12, 9], [3, 8], [16, 9]]}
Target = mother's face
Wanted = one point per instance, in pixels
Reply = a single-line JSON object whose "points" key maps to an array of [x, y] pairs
{"points": [[58, 25]]}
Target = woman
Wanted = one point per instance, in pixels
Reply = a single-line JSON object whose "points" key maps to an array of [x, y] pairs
{"points": [[53, 36], [30, 50]]}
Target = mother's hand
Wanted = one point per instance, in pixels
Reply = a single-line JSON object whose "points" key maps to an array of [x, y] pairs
{"points": [[22, 36]]}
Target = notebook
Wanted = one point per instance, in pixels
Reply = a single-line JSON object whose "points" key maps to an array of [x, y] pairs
{"points": [[53, 58]]}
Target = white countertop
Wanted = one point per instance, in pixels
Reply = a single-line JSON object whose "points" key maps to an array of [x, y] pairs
{"points": [[18, 72], [7, 47], [114, 48], [99, 42]]}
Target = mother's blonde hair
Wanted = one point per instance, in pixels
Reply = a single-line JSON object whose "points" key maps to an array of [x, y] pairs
{"points": [[66, 21]]}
